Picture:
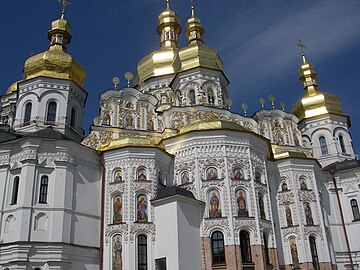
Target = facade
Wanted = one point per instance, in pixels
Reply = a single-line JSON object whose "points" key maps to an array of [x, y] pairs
{"points": [[169, 177]]}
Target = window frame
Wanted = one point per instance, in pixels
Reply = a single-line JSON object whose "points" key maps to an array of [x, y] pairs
{"points": [[27, 113], [342, 144], [51, 112], [314, 253], [142, 265], [15, 190], [218, 257], [245, 247], [355, 209], [323, 146], [43, 189]]}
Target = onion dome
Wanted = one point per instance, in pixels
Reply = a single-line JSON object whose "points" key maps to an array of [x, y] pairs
{"points": [[55, 62], [166, 60], [12, 88], [196, 54], [314, 102]]}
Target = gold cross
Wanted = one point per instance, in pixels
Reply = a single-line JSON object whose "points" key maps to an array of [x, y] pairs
{"points": [[167, 4], [301, 45], [64, 4]]}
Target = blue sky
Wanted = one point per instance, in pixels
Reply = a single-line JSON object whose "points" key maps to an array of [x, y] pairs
{"points": [[256, 40]]}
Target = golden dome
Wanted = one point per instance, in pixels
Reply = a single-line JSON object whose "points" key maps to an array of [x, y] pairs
{"points": [[211, 124], [164, 61], [12, 88], [314, 102], [55, 62], [196, 54]]}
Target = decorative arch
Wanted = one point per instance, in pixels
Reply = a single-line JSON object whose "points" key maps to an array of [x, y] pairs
{"points": [[10, 223], [117, 175], [41, 222], [185, 177]]}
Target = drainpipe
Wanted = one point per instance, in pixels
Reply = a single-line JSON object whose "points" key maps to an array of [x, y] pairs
{"points": [[101, 257], [342, 220]]}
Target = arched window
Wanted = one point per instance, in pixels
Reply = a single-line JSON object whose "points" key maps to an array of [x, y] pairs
{"points": [[266, 249], [192, 98], [142, 252], [37, 268], [72, 118], [314, 253], [323, 146], [218, 248], [43, 189], [15, 190], [245, 247], [355, 209], [51, 113], [27, 114], [342, 144]]}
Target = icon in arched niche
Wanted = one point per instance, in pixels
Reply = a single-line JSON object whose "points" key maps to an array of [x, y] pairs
{"points": [[142, 215], [294, 252], [303, 185], [129, 121], [141, 174], [211, 173], [288, 215], [238, 174], [117, 210], [241, 203], [150, 124], [257, 176], [185, 177], [214, 204], [284, 186], [308, 214], [107, 118], [117, 252], [118, 176]]}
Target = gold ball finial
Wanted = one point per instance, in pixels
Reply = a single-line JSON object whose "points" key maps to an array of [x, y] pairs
{"points": [[272, 100], [244, 106], [128, 76], [282, 104], [115, 81], [262, 102]]}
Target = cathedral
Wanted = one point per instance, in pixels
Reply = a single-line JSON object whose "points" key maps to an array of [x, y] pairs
{"points": [[168, 176]]}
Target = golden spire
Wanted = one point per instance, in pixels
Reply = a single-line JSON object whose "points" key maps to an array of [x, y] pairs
{"points": [[314, 102], [55, 62], [64, 4], [194, 30], [169, 28]]}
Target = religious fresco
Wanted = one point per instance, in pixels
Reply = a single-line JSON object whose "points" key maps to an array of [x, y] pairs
{"points": [[238, 174], [308, 214], [129, 121], [185, 177], [303, 185], [284, 186], [211, 173], [294, 252], [257, 176], [142, 213], [241, 203], [141, 174], [118, 176], [117, 252], [214, 204], [288, 216], [117, 210]]}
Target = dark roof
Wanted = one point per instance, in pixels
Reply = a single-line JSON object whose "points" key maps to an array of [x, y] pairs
{"points": [[172, 191], [342, 165], [48, 133], [6, 134]]}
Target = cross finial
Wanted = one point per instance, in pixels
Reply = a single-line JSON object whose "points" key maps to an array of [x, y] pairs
{"points": [[192, 8], [64, 4], [167, 4], [302, 46]]}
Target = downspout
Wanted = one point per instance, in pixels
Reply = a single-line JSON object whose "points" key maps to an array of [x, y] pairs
{"points": [[101, 257], [342, 219]]}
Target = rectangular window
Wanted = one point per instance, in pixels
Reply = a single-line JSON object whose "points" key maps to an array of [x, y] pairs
{"points": [[43, 189], [15, 190]]}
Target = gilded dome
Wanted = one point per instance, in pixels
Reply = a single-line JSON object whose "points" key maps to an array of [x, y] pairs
{"points": [[12, 88], [164, 61], [55, 62], [314, 102]]}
